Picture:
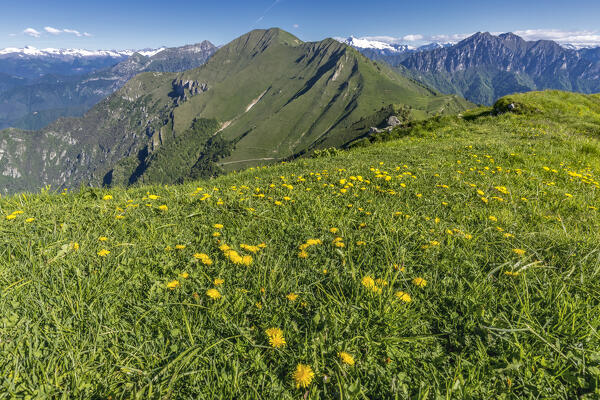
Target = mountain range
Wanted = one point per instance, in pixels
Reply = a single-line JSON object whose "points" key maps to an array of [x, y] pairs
{"points": [[55, 83], [265, 97], [485, 67], [376, 48]]}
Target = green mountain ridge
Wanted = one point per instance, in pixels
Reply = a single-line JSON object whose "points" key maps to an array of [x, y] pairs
{"points": [[274, 96]]}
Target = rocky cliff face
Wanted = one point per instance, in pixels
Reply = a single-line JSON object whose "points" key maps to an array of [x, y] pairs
{"points": [[506, 52]]}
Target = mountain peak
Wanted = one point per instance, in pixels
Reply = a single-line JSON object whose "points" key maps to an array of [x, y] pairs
{"points": [[260, 40], [509, 36]]}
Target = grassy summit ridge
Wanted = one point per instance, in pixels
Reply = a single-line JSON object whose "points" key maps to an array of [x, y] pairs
{"points": [[457, 261]]}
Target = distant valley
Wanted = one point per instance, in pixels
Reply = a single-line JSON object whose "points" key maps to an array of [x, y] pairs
{"points": [[39, 86]]}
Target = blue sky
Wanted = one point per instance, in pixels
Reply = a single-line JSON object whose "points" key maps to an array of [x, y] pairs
{"points": [[137, 24]]}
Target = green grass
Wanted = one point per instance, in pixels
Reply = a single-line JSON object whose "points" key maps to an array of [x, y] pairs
{"points": [[78, 325]]}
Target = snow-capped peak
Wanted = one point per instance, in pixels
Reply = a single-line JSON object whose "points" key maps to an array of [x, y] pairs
{"points": [[52, 52], [365, 43], [150, 52]]}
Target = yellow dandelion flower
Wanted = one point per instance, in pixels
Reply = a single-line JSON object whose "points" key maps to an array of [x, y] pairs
{"points": [[334, 230], [292, 296], [258, 305], [11, 216], [361, 243], [302, 254], [224, 247], [173, 284], [218, 281], [205, 259], [216, 234], [347, 358], [213, 294], [107, 197], [277, 341], [153, 197], [420, 282], [368, 282], [492, 218], [180, 246], [103, 253], [303, 375], [262, 245], [103, 238], [163, 207], [218, 226], [247, 261], [273, 332], [251, 249], [519, 252], [30, 219], [74, 246], [405, 297]]}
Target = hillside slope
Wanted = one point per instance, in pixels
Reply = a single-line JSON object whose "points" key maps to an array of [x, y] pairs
{"points": [[274, 96], [464, 269]]}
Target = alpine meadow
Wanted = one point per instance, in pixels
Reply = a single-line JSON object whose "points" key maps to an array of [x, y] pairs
{"points": [[275, 218]]}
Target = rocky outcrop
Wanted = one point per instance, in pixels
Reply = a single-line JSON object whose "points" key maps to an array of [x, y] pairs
{"points": [[182, 89]]}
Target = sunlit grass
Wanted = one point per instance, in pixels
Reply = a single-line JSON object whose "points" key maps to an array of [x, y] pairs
{"points": [[459, 262]]}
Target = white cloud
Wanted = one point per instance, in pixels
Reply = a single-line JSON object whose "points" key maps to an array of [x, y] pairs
{"points": [[52, 30], [32, 32], [577, 38], [455, 37], [384, 39], [296, 26], [73, 31], [412, 38]]}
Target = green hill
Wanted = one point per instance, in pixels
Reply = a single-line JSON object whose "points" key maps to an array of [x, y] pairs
{"points": [[458, 260], [273, 96]]}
